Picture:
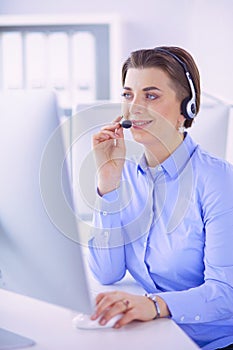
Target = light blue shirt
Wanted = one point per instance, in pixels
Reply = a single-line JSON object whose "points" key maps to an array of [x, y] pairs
{"points": [[171, 227]]}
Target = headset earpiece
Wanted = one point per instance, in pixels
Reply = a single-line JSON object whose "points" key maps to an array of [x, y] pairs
{"points": [[188, 105], [183, 107], [188, 108]]}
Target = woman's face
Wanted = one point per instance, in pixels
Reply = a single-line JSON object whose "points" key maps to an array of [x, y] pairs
{"points": [[150, 102]]}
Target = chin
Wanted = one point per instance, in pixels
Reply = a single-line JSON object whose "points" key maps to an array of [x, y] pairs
{"points": [[139, 138], [143, 137]]}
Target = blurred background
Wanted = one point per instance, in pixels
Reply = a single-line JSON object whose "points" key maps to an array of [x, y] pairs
{"points": [[78, 46]]}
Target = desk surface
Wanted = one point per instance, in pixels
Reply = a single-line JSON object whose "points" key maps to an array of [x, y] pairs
{"points": [[51, 328]]}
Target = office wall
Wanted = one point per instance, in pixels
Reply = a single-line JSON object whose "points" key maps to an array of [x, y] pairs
{"points": [[204, 27]]}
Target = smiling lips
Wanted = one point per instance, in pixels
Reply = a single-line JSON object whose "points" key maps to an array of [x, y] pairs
{"points": [[140, 123]]}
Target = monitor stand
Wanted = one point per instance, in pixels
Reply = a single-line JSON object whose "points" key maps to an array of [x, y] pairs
{"points": [[10, 340]]}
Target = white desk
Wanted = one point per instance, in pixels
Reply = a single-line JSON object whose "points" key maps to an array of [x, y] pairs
{"points": [[50, 327]]}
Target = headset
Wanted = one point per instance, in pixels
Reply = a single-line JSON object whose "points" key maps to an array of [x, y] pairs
{"points": [[188, 105]]}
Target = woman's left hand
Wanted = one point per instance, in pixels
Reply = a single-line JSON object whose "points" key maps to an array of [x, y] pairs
{"points": [[133, 307]]}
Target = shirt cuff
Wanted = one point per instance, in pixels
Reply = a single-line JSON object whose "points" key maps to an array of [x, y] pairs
{"points": [[113, 202], [200, 304], [180, 307]]}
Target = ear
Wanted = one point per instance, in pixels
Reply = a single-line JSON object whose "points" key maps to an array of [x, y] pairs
{"points": [[180, 120]]}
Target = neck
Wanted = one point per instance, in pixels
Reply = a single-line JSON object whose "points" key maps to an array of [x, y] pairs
{"points": [[158, 152]]}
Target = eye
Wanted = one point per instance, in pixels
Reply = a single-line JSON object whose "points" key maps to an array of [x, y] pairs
{"points": [[126, 95], [151, 96]]}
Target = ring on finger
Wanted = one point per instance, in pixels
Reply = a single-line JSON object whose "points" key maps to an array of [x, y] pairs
{"points": [[126, 303]]}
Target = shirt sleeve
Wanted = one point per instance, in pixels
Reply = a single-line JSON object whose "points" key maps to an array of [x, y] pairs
{"points": [[212, 300], [119, 218], [106, 246]]}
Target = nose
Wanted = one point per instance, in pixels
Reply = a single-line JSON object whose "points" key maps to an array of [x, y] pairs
{"points": [[136, 106]]}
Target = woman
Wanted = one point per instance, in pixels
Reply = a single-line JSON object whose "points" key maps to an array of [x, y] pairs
{"points": [[167, 218]]}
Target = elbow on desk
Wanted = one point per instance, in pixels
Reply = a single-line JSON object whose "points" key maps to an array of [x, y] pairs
{"points": [[109, 281], [107, 277], [105, 271]]}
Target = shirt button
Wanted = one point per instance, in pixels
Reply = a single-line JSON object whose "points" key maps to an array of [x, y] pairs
{"points": [[182, 318], [160, 168], [106, 234], [105, 213], [197, 318]]}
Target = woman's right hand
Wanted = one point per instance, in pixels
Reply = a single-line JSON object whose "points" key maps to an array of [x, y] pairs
{"points": [[109, 151]]}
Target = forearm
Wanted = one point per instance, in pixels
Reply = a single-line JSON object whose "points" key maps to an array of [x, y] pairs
{"points": [[106, 247], [108, 182], [107, 254], [107, 265], [209, 302]]}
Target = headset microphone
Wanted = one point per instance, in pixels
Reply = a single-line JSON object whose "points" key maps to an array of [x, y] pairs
{"points": [[126, 124]]}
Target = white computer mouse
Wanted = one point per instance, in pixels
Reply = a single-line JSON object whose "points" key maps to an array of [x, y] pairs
{"points": [[83, 321]]}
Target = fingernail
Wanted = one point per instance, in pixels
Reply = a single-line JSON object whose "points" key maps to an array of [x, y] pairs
{"points": [[102, 321]]}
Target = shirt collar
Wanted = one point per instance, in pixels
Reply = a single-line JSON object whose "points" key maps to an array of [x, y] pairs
{"points": [[176, 162]]}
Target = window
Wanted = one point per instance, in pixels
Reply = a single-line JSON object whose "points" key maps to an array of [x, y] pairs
{"points": [[12, 60], [77, 56]]}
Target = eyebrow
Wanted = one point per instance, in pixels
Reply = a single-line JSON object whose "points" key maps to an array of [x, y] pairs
{"points": [[148, 88]]}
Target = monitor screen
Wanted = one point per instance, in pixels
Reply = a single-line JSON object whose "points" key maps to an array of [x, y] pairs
{"points": [[40, 250]]}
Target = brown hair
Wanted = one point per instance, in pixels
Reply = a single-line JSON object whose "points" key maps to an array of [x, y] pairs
{"points": [[148, 58]]}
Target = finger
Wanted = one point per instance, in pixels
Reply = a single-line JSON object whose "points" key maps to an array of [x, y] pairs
{"points": [[128, 317], [105, 301], [115, 294], [117, 308], [112, 133], [99, 305], [117, 119], [114, 124], [111, 127], [119, 131], [98, 139], [99, 297], [104, 136], [101, 135]]}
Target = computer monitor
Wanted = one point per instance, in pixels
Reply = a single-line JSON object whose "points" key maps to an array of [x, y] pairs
{"points": [[40, 251]]}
